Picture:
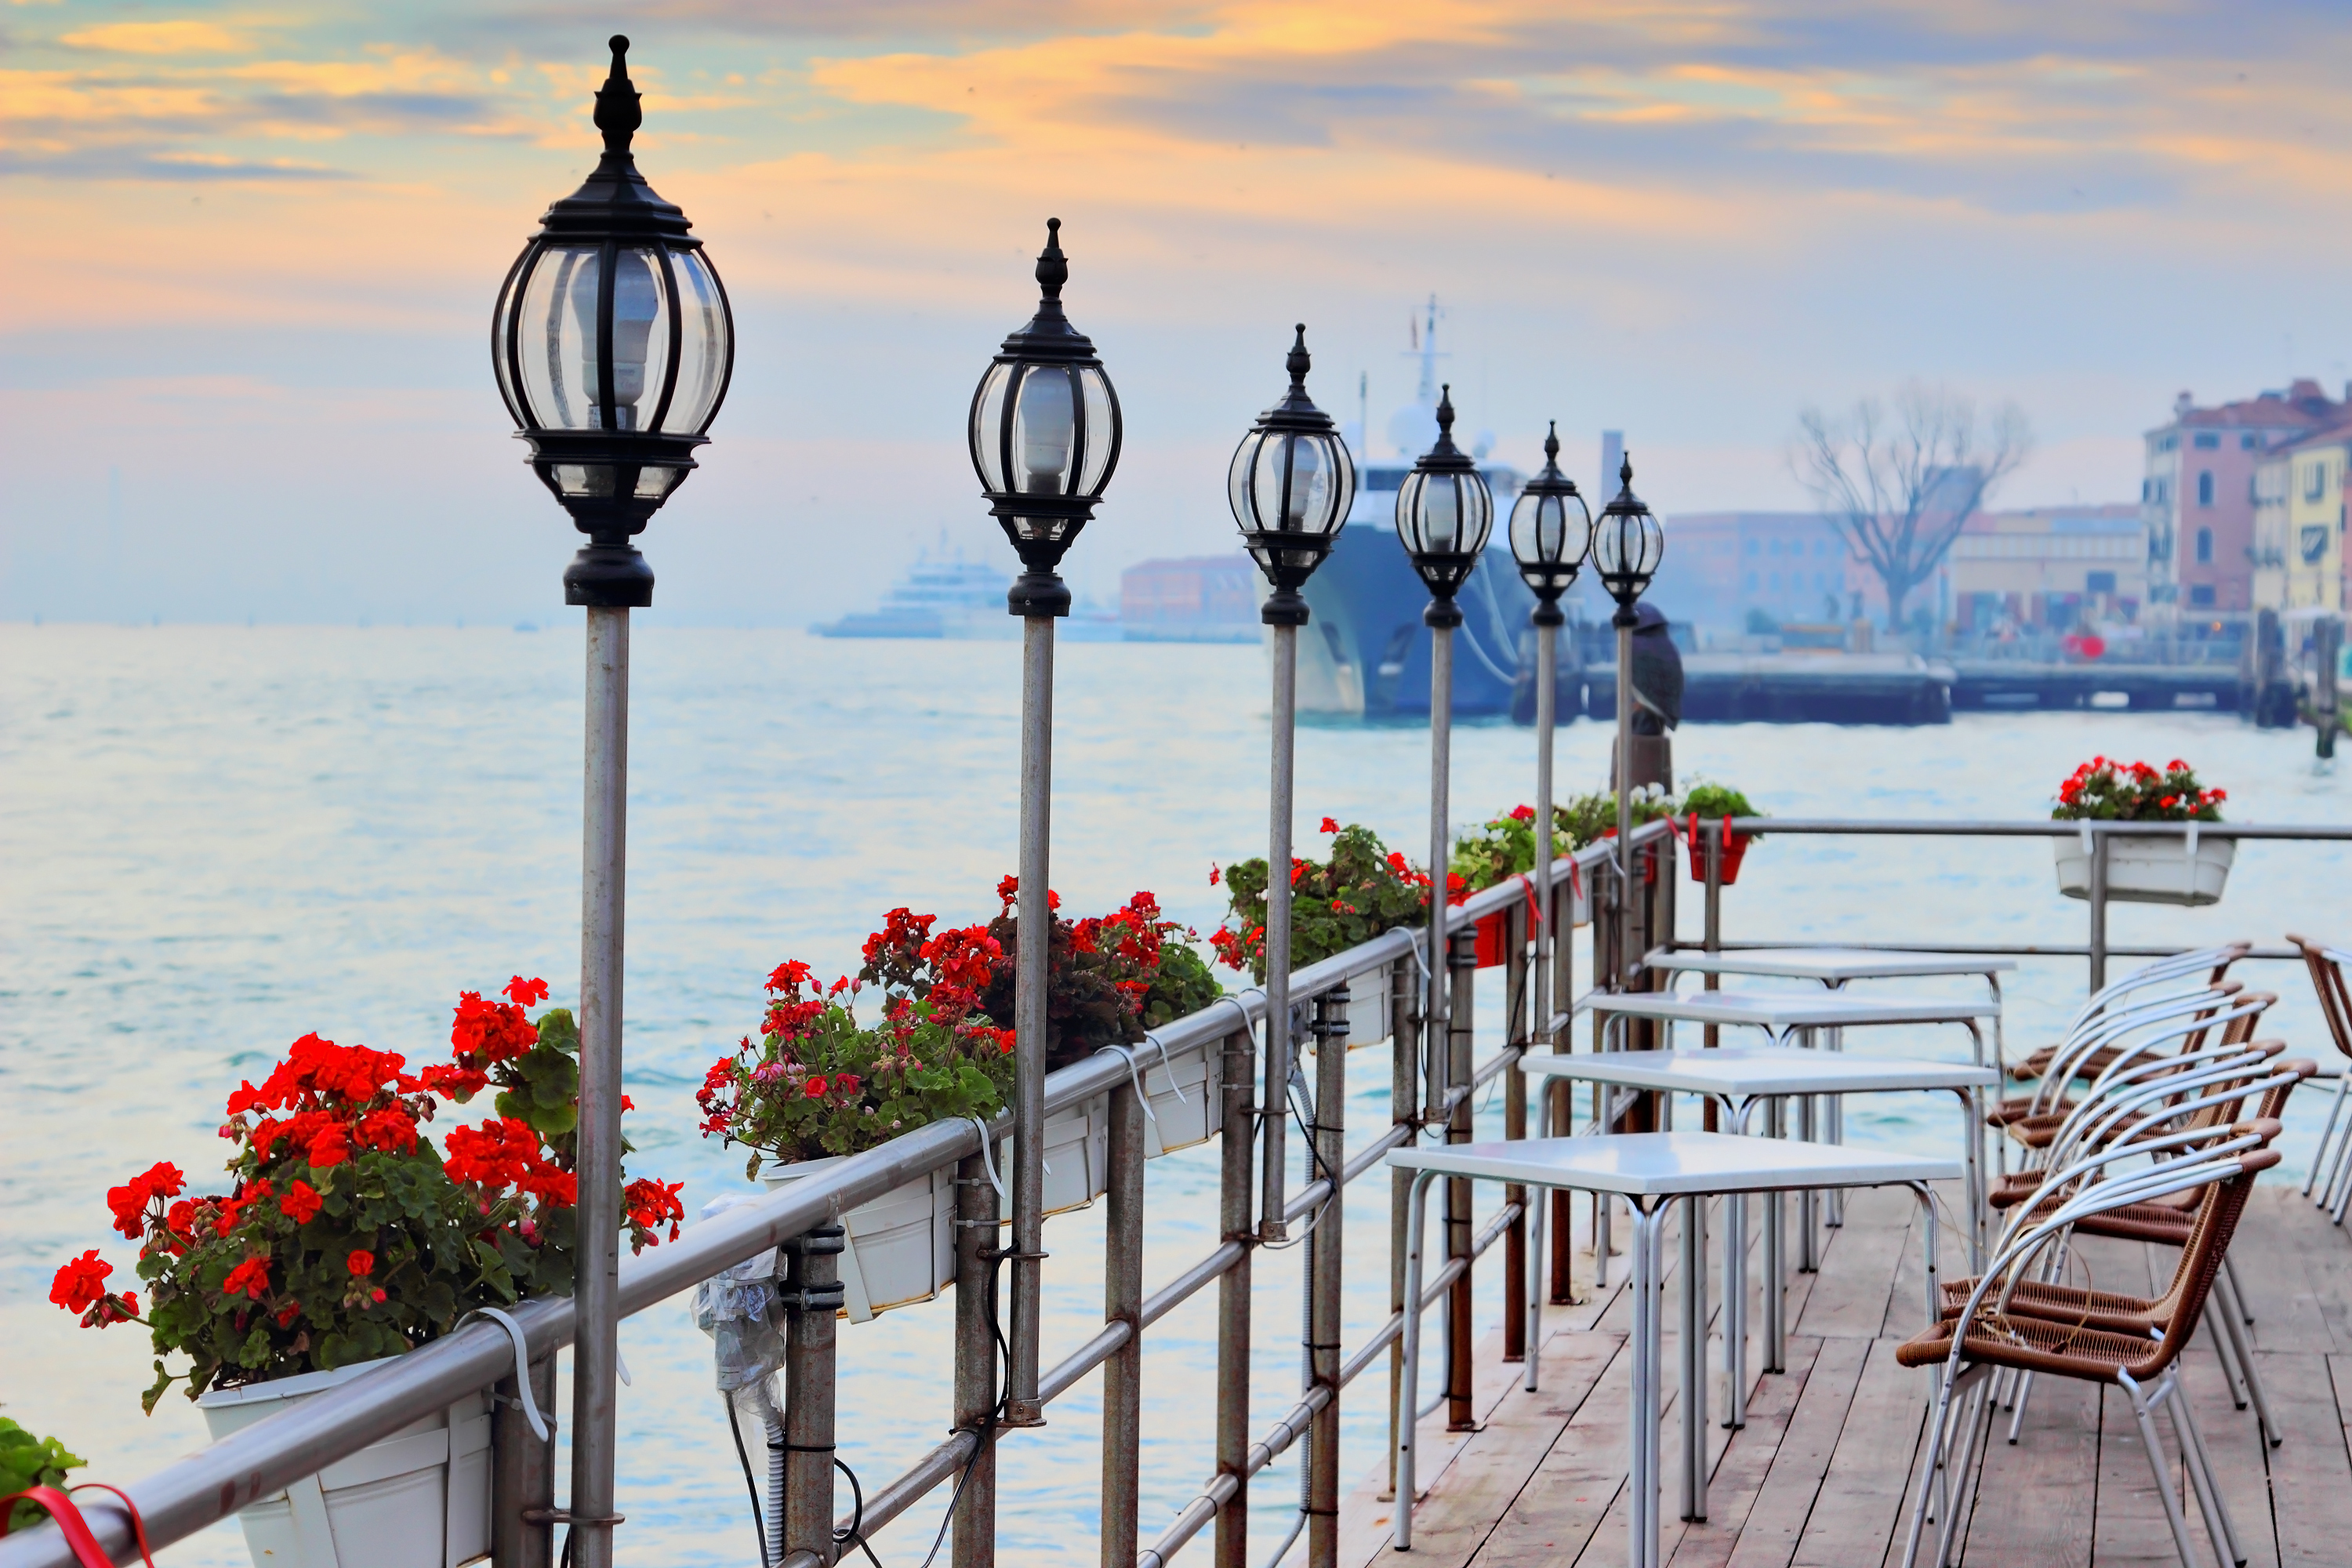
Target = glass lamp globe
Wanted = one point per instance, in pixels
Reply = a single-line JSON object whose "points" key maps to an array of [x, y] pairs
{"points": [[1445, 511], [1290, 484], [612, 343], [1045, 435], [1551, 528], [1628, 545]]}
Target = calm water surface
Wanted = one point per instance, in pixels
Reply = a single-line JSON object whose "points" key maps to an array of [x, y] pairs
{"points": [[215, 840]]}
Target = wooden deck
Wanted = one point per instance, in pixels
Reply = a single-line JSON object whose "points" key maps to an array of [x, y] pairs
{"points": [[1819, 1477]]}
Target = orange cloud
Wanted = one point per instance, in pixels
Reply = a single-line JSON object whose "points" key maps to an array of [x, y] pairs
{"points": [[158, 38]]}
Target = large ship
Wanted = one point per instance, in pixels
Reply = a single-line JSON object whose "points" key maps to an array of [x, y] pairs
{"points": [[1366, 652], [942, 595]]}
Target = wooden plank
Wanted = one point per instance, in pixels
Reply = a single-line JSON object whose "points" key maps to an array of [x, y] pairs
{"points": [[2234, 1443], [2294, 1263], [1495, 1464], [1744, 1458], [1848, 1298], [2311, 1475], [1861, 1510], [1554, 1518], [2035, 1500], [1784, 1497], [2130, 1527]]}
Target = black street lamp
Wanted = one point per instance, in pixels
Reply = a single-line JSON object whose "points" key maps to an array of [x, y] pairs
{"points": [[1045, 435], [1444, 514], [1627, 548], [613, 346], [1551, 532], [1290, 485]]}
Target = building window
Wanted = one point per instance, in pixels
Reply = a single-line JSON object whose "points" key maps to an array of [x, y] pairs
{"points": [[2205, 488], [2246, 442], [2208, 440], [2202, 595], [2099, 582], [2204, 546], [1752, 576], [1754, 548], [2314, 480]]}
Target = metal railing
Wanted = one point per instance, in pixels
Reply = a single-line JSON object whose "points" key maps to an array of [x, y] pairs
{"points": [[1434, 1080]]}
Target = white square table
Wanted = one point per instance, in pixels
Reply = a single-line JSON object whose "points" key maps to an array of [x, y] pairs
{"points": [[1648, 1170], [1782, 1014], [1740, 1077]]}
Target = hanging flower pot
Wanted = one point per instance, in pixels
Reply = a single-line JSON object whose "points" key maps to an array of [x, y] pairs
{"points": [[1735, 850], [1184, 1101], [901, 1245], [2143, 868], [1369, 1002], [1494, 938], [1077, 1158], [417, 1498]]}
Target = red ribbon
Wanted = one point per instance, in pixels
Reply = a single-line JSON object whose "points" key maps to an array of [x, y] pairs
{"points": [[80, 1537]]}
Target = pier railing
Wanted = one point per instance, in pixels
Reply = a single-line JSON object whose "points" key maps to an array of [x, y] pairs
{"points": [[1434, 1080]]}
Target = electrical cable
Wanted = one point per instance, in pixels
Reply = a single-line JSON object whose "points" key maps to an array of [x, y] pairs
{"points": [[743, 1456]]}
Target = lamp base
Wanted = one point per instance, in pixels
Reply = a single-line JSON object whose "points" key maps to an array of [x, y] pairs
{"points": [[609, 577], [1038, 594]]}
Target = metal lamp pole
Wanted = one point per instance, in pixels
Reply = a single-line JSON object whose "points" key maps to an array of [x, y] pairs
{"points": [[597, 327], [1045, 435], [1290, 485], [1551, 535], [1627, 548], [1444, 513]]}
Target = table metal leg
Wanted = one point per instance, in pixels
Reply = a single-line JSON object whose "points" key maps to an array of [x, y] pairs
{"points": [[1647, 1278], [1538, 1210], [1932, 1247], [1694, 1359], [1973, 1192], [1735, 1285], [1776, 1288], [1409, 1391], [1834, 1039], [2000, 1061]]}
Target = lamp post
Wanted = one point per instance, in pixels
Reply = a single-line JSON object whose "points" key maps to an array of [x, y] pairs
{"points": [[1627, 548], [1551, 532], [1045, 435], [1290, 484], [1444, 513], [613, 344]]}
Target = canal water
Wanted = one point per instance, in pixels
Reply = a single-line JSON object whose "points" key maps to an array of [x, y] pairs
{"points": [[217, 840]]}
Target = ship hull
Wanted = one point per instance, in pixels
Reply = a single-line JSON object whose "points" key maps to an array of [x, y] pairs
{"points": [[1366, 651]]}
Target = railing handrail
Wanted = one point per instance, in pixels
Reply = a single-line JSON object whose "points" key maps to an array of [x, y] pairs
{"points": [[263, 1459], [2030, 829]]}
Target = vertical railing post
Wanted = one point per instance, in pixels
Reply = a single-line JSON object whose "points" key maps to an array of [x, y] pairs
{"points": [[1122, 1396], [1237, 1146], [522, 1474], [1713, 937], [2098, 903], [1404, 1110], [1460, 972], [1562, 969], [812, 1297], [1517, 1011], [1330, 1145], [976, 1308]]}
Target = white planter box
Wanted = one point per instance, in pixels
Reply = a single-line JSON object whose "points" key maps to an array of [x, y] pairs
{"points": [[1077, 1157], [1186, 1099], [1369, 997], [418, 1498], [2150, 870], [901, 1247]]}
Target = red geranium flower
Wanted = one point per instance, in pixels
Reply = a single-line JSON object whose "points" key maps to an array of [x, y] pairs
{"points": [[250, 1278], [815, 1090], [301, 1202], [81, 1284], [1330, 824], [361, 1262]]}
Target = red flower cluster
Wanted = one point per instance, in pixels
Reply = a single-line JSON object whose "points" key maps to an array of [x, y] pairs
{"points": [[1009, 890], [483, 1034], [130, 1202], [342, 1098], [652, 1204], [80, 1287], [507, 1154], [2109, 789]]}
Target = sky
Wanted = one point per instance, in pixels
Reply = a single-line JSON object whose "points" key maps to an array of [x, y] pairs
{"points": [[249, 255]]}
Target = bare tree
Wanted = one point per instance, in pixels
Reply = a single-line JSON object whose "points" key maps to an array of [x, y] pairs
{"points": [[1900, 483]]}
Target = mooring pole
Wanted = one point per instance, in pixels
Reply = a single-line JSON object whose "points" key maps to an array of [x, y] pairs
{"points": [[1330, 1145]]}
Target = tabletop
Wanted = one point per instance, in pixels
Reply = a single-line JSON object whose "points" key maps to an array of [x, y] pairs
{"points": [[1673, 1164], [1745, 1071], [1832, 964], [1782, 1010]]}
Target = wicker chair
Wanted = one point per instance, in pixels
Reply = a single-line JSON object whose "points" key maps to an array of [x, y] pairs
{"points": [[2214, 961], [1989, 1332], [2327, 967]]}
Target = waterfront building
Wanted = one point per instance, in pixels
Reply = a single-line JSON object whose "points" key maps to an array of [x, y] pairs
{"points": [[1196, 598], [2299, 522], [2050, 568], [2196, 492], [1787, 566]]}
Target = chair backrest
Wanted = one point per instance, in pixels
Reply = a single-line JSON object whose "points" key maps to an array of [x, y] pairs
{"points": [[2197, 1004], [2188, 1020], [2326, 969], [2216, 959], [2170, 1096], [2200, 1258]]}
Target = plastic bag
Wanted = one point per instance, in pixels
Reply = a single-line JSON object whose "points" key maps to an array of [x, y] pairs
{"points": [[739, 1311]]}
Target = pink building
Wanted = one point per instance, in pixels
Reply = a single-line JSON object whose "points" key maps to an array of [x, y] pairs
{"points": [[2197, 492]]}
